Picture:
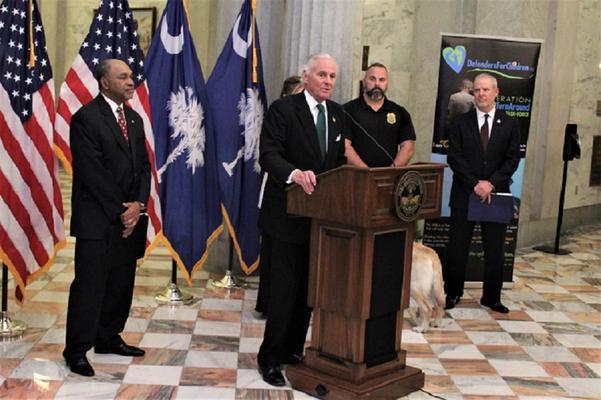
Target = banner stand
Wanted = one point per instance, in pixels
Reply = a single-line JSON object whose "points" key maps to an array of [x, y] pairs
{"points": [[9, 329], [478, 285]]}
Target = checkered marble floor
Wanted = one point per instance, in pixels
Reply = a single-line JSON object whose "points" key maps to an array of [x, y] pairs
{"points": [[547, 347]]}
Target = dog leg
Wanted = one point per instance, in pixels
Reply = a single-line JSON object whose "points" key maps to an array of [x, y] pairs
{"points": [[425, 312], [437, 290], [412, 315]]}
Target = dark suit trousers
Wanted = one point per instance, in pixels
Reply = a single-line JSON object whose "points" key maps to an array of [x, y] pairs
{"points": [[493, 242], [99, 299], [264, 271], [289, 315]]}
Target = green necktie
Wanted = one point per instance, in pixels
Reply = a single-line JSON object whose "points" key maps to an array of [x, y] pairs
{"points": [[320, 126]]}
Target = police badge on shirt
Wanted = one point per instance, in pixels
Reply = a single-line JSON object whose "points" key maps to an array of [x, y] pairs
{"points": [[391, 118]]}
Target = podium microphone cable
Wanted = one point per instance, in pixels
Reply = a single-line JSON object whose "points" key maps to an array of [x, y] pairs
{"points": [[373, 139]]}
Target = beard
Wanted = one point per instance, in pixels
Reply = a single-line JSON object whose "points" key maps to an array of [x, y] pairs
{"points": [[375, 94]]}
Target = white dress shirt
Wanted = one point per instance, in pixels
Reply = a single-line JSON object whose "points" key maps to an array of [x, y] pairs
{"points": [[491, 118], [312, 103], [114, 107]]}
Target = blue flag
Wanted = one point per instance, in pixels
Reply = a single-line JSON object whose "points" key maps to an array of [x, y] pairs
{"points": [[237, 101], [184, 141]]}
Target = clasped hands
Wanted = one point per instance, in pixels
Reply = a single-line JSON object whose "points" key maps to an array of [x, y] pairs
{"points": [[130, 217], [484, 190], [305, 179]]}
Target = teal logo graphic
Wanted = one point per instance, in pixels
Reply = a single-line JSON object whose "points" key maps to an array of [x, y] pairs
{"points": [[454, 57]]}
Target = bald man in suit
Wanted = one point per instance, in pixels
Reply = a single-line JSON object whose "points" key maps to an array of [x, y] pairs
{"points": [[111, 183]]}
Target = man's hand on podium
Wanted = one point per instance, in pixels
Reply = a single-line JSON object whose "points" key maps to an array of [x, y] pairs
{"points": [[305, 179]]}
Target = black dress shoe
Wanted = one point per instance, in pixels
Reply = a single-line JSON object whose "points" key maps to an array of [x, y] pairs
{"points": [[272, 375], [293, 359], [80, 366], [451, 302], [496, 306], [122, 349]]}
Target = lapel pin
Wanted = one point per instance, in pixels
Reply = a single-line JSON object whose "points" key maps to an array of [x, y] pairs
{"points": [[334, 119], [499, 121]]}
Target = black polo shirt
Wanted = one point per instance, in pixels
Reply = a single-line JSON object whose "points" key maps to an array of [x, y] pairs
{"points": [[389, 126]]}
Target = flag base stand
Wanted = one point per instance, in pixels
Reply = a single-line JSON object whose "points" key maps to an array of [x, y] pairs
{"points": [[10, 328], [227, 282], [174, 296]]}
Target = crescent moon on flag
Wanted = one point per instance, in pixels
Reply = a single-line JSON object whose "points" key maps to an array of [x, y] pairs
{"points": [[240, 45], [172, 44]]}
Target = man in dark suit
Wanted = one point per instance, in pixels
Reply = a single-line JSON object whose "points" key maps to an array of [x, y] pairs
{"points": [[484, 152], [111, 183], [302, 136]]}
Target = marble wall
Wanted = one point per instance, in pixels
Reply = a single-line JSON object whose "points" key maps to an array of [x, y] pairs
{"points": [[586, 91]]}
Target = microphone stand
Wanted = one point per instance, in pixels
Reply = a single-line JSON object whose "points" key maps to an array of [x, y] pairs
{"points": [[555, 249]]}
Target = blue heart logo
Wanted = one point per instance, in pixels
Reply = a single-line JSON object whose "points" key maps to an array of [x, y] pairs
{"points": [[454, 57]]}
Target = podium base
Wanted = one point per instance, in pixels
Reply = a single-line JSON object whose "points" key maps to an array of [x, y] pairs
{"points": [[388, 386], [551, 250]]}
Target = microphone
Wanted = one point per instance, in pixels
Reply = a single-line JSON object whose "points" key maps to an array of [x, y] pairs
{"points": [[373, 139]]}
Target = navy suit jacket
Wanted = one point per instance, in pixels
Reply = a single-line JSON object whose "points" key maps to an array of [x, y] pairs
{"points": [[289, 141], [107, 171], [471, 164]]}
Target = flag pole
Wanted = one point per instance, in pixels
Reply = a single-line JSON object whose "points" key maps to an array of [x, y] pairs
{"points": [[172, 294], [254, 56], [8, 327], [229, 280]]}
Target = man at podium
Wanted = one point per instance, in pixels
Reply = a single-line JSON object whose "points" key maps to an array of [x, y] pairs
{"points": [[302, 136]]}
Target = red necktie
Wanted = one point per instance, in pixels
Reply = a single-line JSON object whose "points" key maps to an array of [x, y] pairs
{"points": [[484, 133], [122, 124]]}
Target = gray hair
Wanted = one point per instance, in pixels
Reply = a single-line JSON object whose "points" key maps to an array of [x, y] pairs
{"points": [[311, 60], [102, 69], [484, 75]]}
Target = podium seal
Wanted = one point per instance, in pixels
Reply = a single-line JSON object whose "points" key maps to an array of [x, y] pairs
{"points": [[408, 196]]}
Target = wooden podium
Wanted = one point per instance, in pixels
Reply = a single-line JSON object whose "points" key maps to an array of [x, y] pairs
{"points": [[360, 269]]}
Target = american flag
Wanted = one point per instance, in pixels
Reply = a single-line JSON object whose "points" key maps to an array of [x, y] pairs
{"points": [[112, 35], [31, 210]]}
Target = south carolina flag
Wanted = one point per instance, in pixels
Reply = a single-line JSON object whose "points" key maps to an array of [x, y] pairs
{"points": [[184, 144], [237, 104]]}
